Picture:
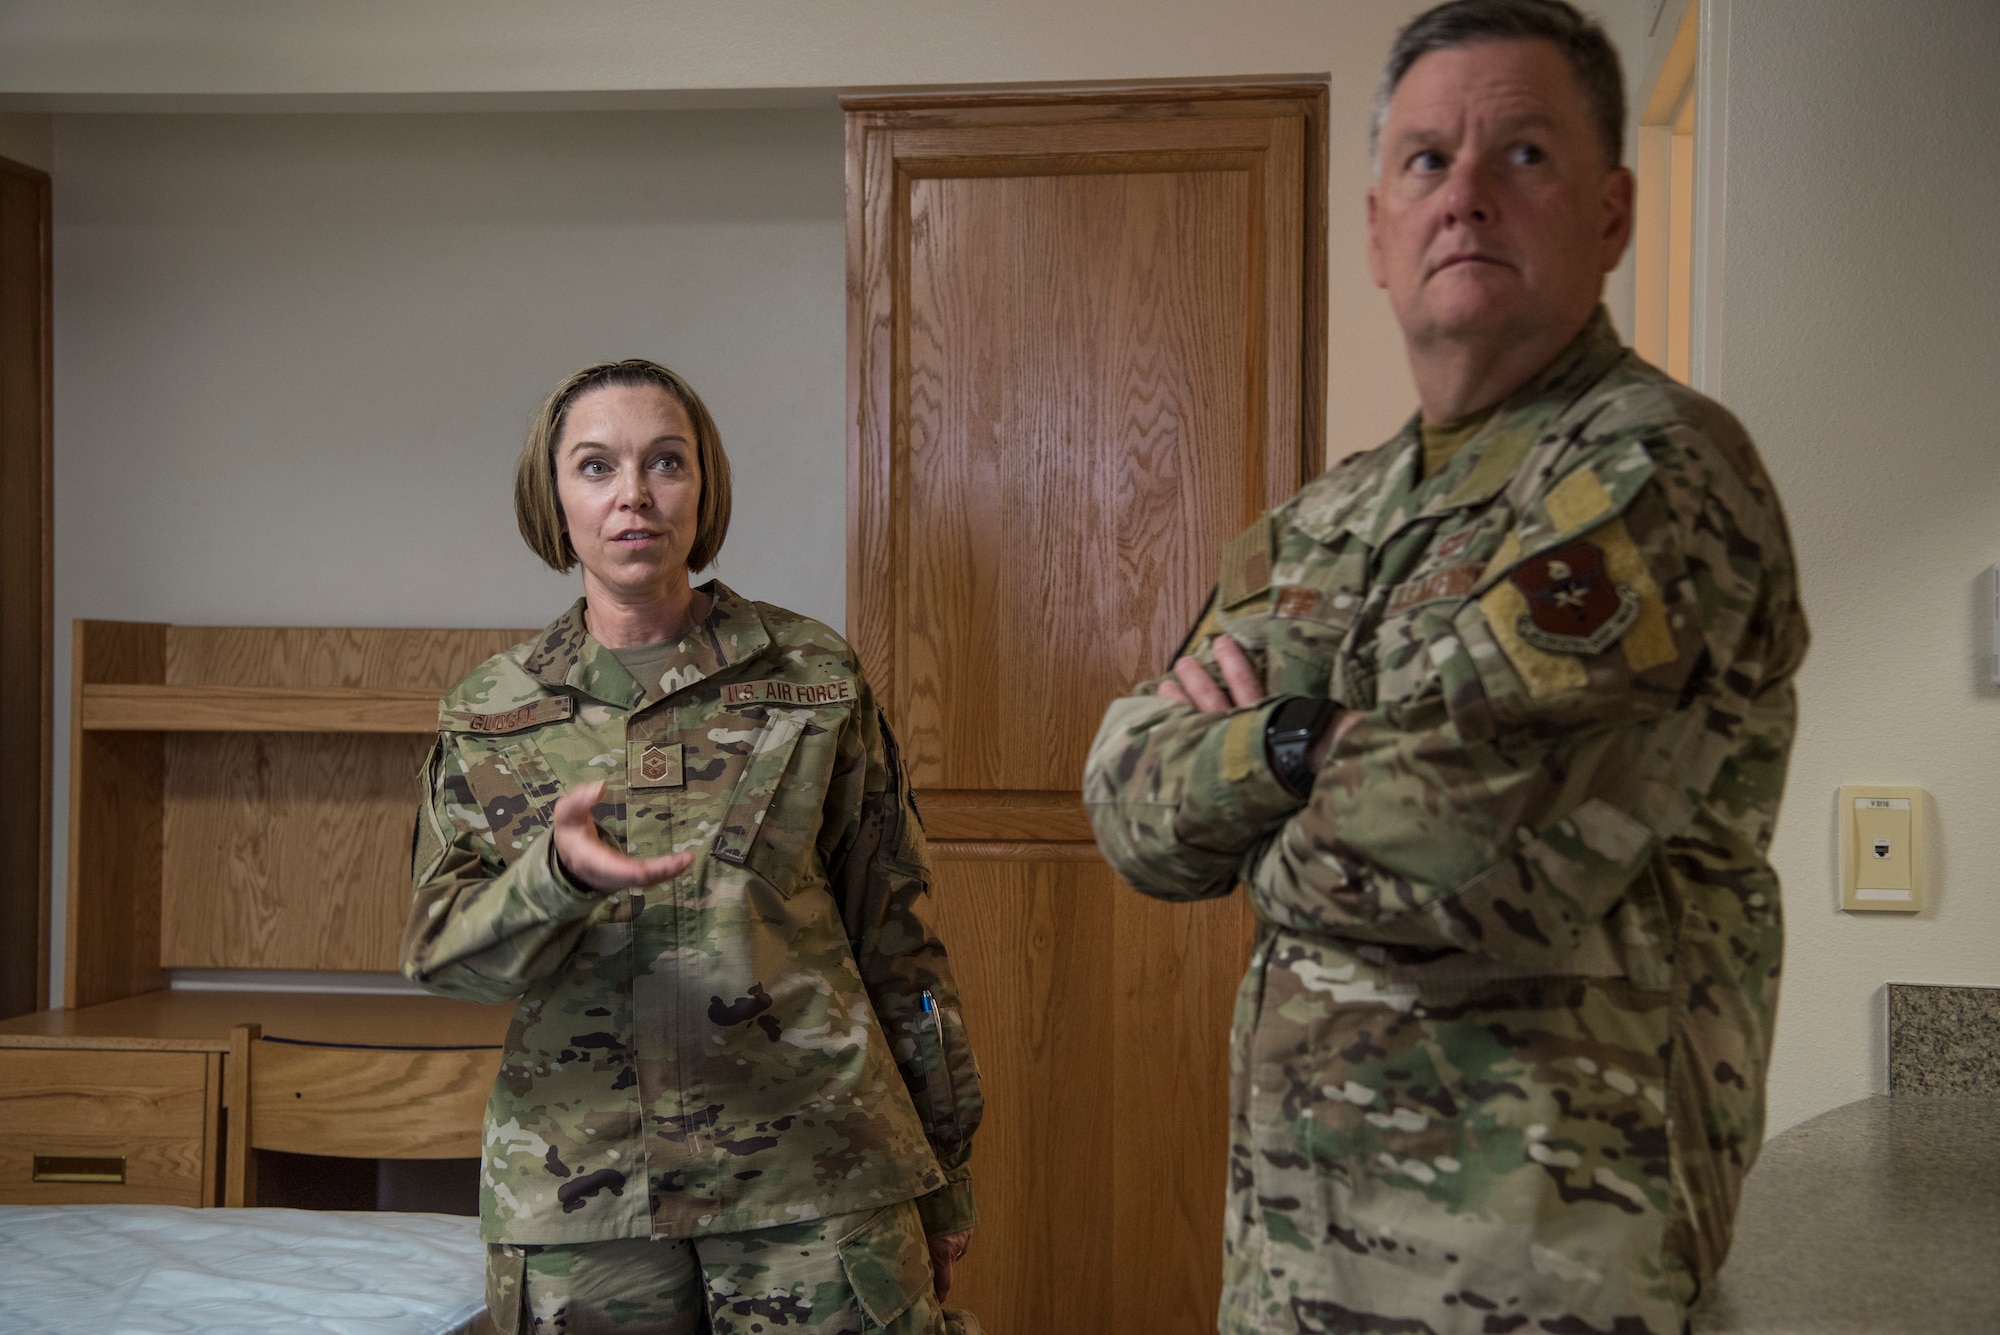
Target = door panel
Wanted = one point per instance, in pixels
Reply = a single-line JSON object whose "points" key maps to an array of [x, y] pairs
{"points": [[1101, 1022], [1046, 572], [1084, 349]]}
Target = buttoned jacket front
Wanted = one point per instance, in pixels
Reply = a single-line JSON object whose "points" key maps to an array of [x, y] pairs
{"points": [[772, 1035], [1499, 1057]]}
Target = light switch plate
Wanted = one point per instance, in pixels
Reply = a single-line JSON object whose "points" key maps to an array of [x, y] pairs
{"points": [[1881, 849]]}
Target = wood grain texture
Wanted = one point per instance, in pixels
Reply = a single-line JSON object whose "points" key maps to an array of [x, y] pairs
{"points": [[113, 708], [425, 660], [26, 571], [113, 929], [1011, 850], [243, 795], [201, 1021], [1080, 340], [240, 1175], [369, 1103], [1029, 943], [1101, 1020], [1086, 346], [1178, 969], [1313, 447], [214, 1165], [287, 851], [1022, 291], [147, 1108], [995, 813]]}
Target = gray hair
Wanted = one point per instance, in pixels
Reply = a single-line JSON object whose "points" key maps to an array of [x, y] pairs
{"points": [[1592, 58]]}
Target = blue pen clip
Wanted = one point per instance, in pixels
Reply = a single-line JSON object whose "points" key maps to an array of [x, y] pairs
{"points": [[929, 1004]]}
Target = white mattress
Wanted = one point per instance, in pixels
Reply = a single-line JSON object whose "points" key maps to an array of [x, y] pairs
{"points": [[155, 1269]]}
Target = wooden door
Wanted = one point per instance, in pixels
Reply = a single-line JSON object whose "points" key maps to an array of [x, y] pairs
{"points": [[1085, 346], [25, 575]]}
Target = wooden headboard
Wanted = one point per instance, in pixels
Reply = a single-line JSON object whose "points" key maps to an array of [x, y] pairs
{"points": [[242, 797]]}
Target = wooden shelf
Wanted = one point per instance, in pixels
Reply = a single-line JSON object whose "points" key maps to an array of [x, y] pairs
{"points": [[156, 708], [241, 796], [200, 1021]]}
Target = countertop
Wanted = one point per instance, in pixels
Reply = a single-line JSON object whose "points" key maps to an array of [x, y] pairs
{"points": [[1878, 1218]]}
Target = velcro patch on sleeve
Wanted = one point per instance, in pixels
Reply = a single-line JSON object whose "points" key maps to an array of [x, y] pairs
{"points": [[531, 715], [1577, 500], [1246, 564], [1567, 603], [1543, 673], [811, 694]]}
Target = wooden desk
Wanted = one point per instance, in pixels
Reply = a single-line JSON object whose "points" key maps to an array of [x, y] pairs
{"points": [[124, 1101]]}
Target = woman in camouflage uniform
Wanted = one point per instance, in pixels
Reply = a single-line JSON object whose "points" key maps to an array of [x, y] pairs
{"points": [[736, 1092]]}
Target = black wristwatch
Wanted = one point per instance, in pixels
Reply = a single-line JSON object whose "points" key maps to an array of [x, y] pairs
{"points": [[1289, 735]]}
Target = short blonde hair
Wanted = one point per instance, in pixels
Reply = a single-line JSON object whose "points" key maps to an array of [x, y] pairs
{"points": [[537, 507]]}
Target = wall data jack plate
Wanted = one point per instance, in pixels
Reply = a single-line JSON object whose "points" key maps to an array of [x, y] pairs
{"points": [[1881, 849]]}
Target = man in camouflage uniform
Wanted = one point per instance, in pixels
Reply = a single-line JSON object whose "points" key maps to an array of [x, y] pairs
{"points": [[763, 1052], [1492, 723]]}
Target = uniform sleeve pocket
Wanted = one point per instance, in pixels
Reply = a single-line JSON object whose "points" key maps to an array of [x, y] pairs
{"points": [[887, 1264], [760, 830], [514, 789]]}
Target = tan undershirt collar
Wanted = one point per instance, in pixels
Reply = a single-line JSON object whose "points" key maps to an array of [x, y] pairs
{"points": [[1443, 439], [646, 662]]}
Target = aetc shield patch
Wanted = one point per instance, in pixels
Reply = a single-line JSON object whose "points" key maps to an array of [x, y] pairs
{"points": [[1573, 605]]}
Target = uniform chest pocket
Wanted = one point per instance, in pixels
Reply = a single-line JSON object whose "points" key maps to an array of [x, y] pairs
{"points": [[773, 813], [1312, 613], [1408, 651]]}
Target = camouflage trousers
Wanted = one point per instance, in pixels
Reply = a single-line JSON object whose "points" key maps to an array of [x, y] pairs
{"points": [[1274, 1284], [845, 1275]]}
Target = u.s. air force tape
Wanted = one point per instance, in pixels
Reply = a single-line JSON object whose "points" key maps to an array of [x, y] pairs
{"points": [[773, 692]]}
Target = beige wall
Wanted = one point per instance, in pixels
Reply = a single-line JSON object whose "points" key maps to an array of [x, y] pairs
{"points": [[295, 354], [28, 138], [1860, 319], [1858, 312]]}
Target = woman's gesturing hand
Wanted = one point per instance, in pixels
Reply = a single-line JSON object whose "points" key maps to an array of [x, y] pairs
{"points": [[588, 859]]}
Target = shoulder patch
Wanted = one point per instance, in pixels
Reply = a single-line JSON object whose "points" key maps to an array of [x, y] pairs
{"points": [[1574, 606], [531, 715], [1246, 564], [1564, 604], [774, 692]]}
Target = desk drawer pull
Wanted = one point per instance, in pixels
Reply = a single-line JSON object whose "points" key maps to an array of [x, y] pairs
{"points": [[63, 1168]]}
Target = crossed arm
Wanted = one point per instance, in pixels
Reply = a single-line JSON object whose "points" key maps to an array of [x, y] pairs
{"points": [[1192, 685]]}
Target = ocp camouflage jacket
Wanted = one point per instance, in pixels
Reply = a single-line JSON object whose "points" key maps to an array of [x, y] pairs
{"points": [[771, 1036], [1500, 1055]]}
